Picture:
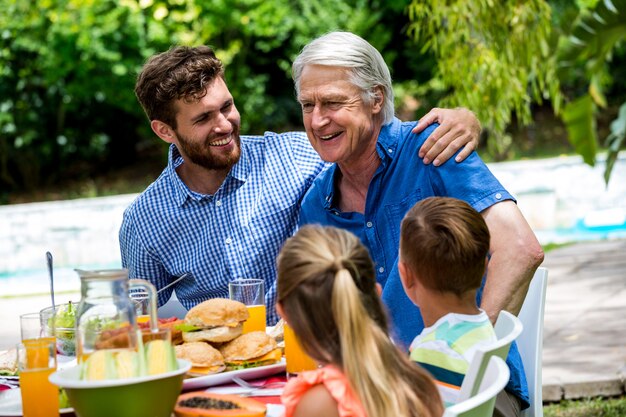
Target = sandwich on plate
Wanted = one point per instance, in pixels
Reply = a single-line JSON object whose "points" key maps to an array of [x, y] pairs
{"points": [[216, 320], [250, 350], [204, 358]]}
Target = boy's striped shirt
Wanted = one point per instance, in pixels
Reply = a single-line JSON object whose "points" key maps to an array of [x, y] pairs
{"points": [[446, 349]]}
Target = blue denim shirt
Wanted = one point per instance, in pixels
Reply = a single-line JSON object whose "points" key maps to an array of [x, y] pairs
{"points": [[400, 181]]}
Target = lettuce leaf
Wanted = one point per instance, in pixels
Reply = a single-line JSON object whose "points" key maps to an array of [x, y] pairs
{"points": [[185, 327]]}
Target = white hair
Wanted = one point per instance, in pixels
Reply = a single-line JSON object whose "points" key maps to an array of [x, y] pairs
{"points": [[366, 65]]}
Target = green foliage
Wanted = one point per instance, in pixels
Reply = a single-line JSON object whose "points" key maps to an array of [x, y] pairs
{"points": [[492, 57], [584, 57], [592, 407], [615, 141], [64, 79], [68, 67], [580, 124]]}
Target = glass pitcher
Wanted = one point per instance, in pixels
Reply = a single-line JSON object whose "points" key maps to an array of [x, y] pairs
{"points": [[106, 318]]}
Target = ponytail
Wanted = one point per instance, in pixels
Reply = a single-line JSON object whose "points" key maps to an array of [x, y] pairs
{"points": [[370, 358], [320, 264]]}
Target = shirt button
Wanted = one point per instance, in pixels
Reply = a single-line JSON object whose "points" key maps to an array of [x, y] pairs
{"points": [[369, 224], [218, 203], [381, 269], [498, 196], [229, 241], [390, 150]]}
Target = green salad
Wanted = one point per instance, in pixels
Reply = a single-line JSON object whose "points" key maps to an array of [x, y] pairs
{"points": [[63, 323]]}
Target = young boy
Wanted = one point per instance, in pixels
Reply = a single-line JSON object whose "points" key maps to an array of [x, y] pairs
{"points": [[443, 255]]}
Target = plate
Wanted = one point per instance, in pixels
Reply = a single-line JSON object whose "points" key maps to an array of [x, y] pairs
{"points": [[11, 403], [226, 377]]}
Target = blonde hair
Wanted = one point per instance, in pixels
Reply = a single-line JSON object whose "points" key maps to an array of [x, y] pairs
{"points": [[322, 265]]}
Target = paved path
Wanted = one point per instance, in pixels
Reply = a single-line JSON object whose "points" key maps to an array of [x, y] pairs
{"points": [[584, 350]]}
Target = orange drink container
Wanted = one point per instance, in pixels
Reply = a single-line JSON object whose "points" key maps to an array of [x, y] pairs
{"points": [[30, 326], [36, 361], [250, 292], [256, 321], [297, 360]]}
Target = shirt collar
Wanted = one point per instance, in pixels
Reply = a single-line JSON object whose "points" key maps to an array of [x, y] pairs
{"points": [[238, 173], [388, 139], [386, 146]]}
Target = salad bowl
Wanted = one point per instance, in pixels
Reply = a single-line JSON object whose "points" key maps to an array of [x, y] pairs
{"points": [[146, 396], [62, 326]]}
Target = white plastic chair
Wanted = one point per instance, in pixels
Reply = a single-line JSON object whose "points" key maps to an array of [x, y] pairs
{"points": [[507, 328], [483, 403], [173, 308], [530, 342]]}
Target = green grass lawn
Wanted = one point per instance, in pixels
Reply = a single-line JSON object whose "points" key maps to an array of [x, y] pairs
{"points": [[595, 407]]}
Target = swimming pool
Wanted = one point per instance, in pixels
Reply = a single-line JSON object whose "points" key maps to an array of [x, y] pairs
{"points": [[37, 281]]}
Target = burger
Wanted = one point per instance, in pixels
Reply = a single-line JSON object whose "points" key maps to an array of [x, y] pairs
{"points": [[216, 320], [204, 358], [250, 350]]}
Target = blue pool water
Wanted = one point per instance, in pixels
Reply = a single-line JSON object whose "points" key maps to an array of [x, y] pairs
{"points": [[66, 279], [582, 232], [37, 281]]}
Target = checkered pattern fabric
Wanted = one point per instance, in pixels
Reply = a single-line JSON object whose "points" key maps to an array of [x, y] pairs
{"points": [[237, 232]]}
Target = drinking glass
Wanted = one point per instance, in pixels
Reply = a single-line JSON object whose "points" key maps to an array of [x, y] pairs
{"points": [[31, 328], [250, 292], [36, 360], [141, 300], [297, 359]]}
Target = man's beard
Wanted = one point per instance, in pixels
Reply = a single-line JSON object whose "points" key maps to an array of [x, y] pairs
{"points": [[202, 155]]}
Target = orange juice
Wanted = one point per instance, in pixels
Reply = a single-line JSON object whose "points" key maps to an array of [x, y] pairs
{"points": [[297, 360], [143, 319], [36, 360], [40, 398], [38, 351], [256, 321]]}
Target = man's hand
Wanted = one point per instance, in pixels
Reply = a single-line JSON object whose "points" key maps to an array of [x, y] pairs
{"points": [[457, 128]]}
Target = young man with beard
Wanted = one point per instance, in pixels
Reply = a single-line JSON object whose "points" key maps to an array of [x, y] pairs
{"points": [[224, 204]]}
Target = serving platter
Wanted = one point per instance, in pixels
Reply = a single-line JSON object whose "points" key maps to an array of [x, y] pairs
{"points": [[226, 377], [11, 403]]}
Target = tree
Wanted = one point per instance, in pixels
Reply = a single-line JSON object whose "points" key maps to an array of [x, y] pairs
{"points": [[590, 46], [492, 57], [497, 58], [68, 68]]}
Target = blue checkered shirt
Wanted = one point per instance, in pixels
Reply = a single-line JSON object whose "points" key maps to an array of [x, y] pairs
{"points": [[237, 232]]}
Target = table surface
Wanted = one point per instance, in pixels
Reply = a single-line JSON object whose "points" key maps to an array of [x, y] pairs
{"points": [[271, 397]]}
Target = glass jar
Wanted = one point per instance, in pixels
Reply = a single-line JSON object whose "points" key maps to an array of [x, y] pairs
{"points": [[106, 318]]}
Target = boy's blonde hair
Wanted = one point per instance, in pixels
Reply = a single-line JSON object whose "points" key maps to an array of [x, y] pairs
{"points": [[445, 242], [327, 289]]}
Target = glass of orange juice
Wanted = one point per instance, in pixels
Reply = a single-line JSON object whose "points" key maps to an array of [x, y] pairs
{"points": [[30, 326], [36, 360], [297, 359], [141, 302], [250, 292]]}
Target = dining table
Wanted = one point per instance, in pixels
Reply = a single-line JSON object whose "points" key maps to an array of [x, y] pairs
{"points": [[266, 390]]}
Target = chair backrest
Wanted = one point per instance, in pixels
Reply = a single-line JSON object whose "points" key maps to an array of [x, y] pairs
{"points": [[173, 308], [530, 342], [507, 328], [483, 403]]}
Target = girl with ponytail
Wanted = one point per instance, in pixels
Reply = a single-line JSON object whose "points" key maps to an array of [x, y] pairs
{"points": [[327, 292]]}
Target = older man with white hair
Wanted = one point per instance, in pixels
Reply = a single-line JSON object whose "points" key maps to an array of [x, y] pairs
{"points": [[345, 90]]}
